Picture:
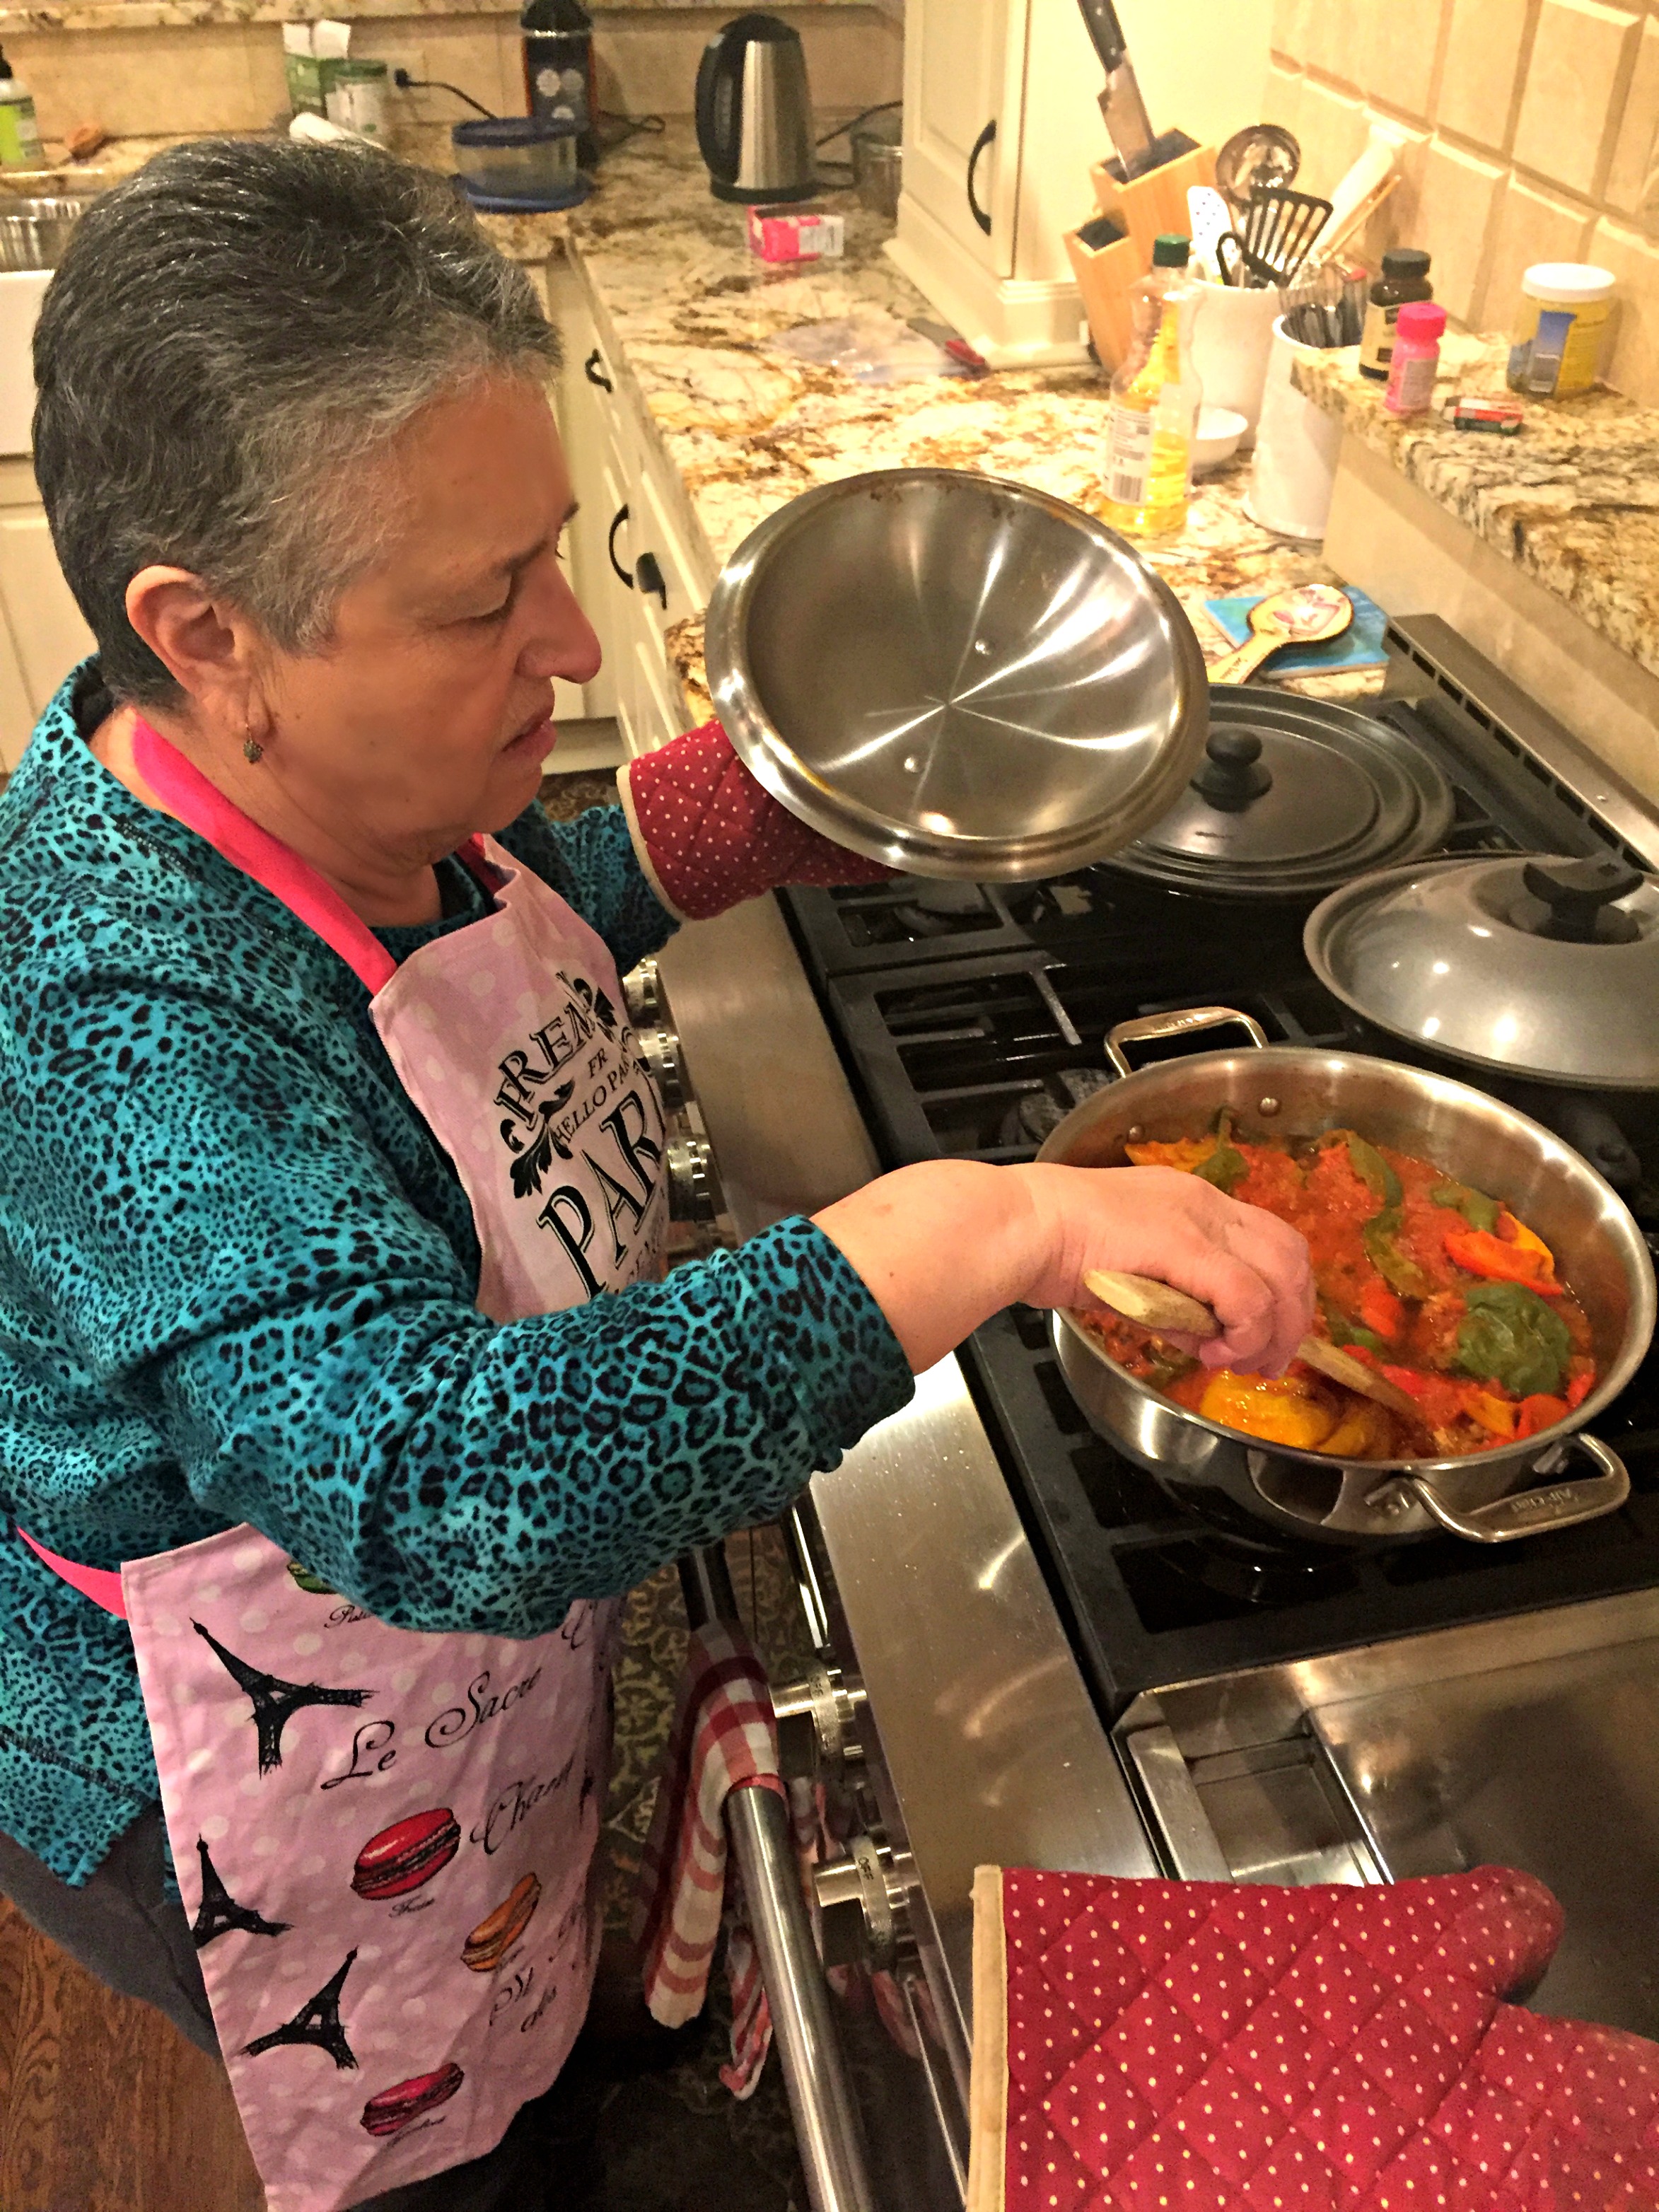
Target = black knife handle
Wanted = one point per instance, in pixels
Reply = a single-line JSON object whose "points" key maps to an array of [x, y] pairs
{"points": [[1105, 30]]}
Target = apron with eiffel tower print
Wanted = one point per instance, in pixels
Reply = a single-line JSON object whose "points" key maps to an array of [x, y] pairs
{"points": [[384, 1838]]}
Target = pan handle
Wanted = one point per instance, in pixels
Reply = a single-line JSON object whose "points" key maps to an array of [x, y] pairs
{"points": [[1168, 1026], [1531, 1512]]}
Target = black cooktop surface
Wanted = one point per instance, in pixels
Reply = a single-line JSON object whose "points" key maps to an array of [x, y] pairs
{"points": [[971, 1018]]}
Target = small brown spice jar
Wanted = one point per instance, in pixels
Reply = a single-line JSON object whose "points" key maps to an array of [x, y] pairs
{"points": [[1405, 277]]}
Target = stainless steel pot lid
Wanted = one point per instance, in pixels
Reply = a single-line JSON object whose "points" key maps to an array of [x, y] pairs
{"points": [[956, 675], [1292, 797], [1527, 965]]}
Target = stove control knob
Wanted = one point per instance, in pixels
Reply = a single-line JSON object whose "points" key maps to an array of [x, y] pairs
{"points": [[694, 1189], [643, 995], [864, 1902], [818, 1719], [660, 1051]]}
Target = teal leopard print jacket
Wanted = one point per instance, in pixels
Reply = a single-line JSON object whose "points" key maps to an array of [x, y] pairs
{"points": [[236, 1284]]}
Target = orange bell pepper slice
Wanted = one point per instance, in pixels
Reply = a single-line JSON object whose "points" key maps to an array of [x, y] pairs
{"points": [[1580, 1383], [1498, 1260], [1539, 1411]]}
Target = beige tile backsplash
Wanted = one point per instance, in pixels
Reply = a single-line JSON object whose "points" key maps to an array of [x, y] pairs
{"points": [[229, 76], [1528, 132]]}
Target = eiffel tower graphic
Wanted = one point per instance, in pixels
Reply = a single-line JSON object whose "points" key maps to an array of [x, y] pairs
{"points": [[317, 2021], [220, 1913], [274, 1699]]}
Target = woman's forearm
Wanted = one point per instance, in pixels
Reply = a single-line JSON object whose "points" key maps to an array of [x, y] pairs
{"points": [[943, 1245]]}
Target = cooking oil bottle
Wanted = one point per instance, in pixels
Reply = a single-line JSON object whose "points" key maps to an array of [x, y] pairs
{"points": [[1154, 406]]}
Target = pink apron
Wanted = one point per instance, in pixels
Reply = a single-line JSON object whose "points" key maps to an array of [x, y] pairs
{"points": [[384, 1838]]}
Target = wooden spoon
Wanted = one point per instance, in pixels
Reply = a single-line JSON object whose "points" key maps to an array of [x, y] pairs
{"points": [[1163, 1310], [1306, 614]]}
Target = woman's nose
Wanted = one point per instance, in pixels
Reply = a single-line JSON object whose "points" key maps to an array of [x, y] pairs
{"points": [[562, 641]]}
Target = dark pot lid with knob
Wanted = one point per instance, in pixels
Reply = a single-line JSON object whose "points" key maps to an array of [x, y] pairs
{"points": [[1293, 797], [1520, 964]]}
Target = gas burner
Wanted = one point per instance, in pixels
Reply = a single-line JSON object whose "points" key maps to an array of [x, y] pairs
{"points": [[1041, 1111], [1258, 1574]]}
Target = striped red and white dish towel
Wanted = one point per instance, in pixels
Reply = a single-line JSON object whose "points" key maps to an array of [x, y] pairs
{"points": [[725, 1737]]}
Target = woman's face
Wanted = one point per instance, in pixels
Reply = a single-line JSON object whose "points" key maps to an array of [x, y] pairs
{"points": [[428, 714]]}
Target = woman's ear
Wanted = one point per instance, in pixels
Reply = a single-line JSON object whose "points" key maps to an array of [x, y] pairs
{"points": [[207, 647]]}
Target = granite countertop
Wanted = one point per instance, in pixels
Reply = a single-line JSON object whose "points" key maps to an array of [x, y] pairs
{"points": [[153, 14], [747, 426], [1573, 501]]}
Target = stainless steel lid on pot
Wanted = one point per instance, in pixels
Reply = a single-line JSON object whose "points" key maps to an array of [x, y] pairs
{"points": [[1523, 965], [955, 675], [1293, 797]]}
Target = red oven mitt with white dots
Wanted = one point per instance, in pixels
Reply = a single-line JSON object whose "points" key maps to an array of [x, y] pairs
{"points": [[709, 837], [1143, 2045]]}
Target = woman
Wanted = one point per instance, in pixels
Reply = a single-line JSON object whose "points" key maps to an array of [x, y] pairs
{"points": [[325, 1127]]}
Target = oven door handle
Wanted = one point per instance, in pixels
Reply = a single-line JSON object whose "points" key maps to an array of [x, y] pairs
{"points": [[821, 2102]]}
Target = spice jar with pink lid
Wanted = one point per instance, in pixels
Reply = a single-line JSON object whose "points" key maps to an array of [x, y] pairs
{"points": [[1416, 357]]}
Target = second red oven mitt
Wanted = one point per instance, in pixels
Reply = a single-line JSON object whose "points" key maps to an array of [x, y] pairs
{"points": [[709, 837], [1140, 2046]]}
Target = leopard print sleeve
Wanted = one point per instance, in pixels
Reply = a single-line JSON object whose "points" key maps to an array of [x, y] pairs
{"points": [[592, 863]]}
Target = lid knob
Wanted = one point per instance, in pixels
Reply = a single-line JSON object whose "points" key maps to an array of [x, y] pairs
{"points": [[1233, 774], [1572, 901]]}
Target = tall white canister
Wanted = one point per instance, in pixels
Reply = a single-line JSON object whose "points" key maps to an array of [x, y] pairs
{"points": [[1296, 448]]}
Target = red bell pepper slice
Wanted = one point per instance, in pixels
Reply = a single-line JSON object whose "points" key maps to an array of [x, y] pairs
{"points": [[1540, 1411]]}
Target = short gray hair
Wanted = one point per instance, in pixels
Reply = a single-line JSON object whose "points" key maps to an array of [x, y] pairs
{"points": [[232, 334]]}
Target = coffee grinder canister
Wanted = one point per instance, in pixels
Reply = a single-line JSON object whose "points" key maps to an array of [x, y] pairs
{"points": [[558, 69]]}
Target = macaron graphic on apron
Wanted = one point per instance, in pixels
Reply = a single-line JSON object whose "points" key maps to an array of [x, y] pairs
{"points": [[384, 1838]]}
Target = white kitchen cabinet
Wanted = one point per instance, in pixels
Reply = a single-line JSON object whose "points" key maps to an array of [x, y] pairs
{"points": [[638, 563], [42, 634]]}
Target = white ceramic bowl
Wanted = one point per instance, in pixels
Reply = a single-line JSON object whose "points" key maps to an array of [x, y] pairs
{"points": [[1216, 437]]}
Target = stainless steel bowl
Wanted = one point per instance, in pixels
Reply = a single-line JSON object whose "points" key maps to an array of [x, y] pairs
{"points": [[33, 232], [955, 675], [1257, 1490]]}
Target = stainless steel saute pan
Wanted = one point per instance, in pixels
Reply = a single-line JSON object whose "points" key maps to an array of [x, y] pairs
{"points": [[1255, 1489]]}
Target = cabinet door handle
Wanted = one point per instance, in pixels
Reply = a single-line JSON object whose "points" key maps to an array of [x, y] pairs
{"points": [[617, 521], [980, 215], [648, 575], [593, 370]]}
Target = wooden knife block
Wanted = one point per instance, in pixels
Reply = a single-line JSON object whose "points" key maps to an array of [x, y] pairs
{"points": [[1142, 208]]}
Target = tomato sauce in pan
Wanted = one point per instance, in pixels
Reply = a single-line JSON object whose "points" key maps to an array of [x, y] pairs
{"points": [[1437, 1285]]}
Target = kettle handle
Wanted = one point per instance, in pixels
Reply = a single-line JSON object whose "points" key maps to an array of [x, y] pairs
{"points": [[720, 74]]}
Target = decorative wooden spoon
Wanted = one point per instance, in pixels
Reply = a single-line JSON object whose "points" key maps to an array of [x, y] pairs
{"points": [[1305, 614], [1165, 1310]]}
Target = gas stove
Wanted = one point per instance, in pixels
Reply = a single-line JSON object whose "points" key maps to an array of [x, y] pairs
{"points": [[971, 1018]]}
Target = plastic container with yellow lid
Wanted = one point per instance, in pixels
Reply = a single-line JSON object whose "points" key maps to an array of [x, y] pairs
{"points": [[1556, 342]]}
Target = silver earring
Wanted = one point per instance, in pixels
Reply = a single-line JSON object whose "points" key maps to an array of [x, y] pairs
{"points": [[252, 751]]}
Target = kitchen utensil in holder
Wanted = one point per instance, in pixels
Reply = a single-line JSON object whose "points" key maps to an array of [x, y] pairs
{"points": [[1138, 211]]}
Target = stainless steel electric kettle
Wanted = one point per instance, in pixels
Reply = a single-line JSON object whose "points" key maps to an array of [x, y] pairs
{"points": [[755, 113]]}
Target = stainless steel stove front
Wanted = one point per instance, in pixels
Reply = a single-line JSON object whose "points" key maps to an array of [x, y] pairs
{"points": [[1531, 1742]]}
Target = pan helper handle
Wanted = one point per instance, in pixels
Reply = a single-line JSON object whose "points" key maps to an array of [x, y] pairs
{"points": [[708, 836]]}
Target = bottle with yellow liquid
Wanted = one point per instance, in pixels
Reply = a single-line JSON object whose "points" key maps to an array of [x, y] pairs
{"points": [[1149, 457]]}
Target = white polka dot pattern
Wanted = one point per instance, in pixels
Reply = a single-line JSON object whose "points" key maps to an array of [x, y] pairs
{"points": [[715, 838], [1207, 2047]]}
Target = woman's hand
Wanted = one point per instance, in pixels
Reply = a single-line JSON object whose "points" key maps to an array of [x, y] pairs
{"points": [[1248, 1266], [943, 1245]]}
